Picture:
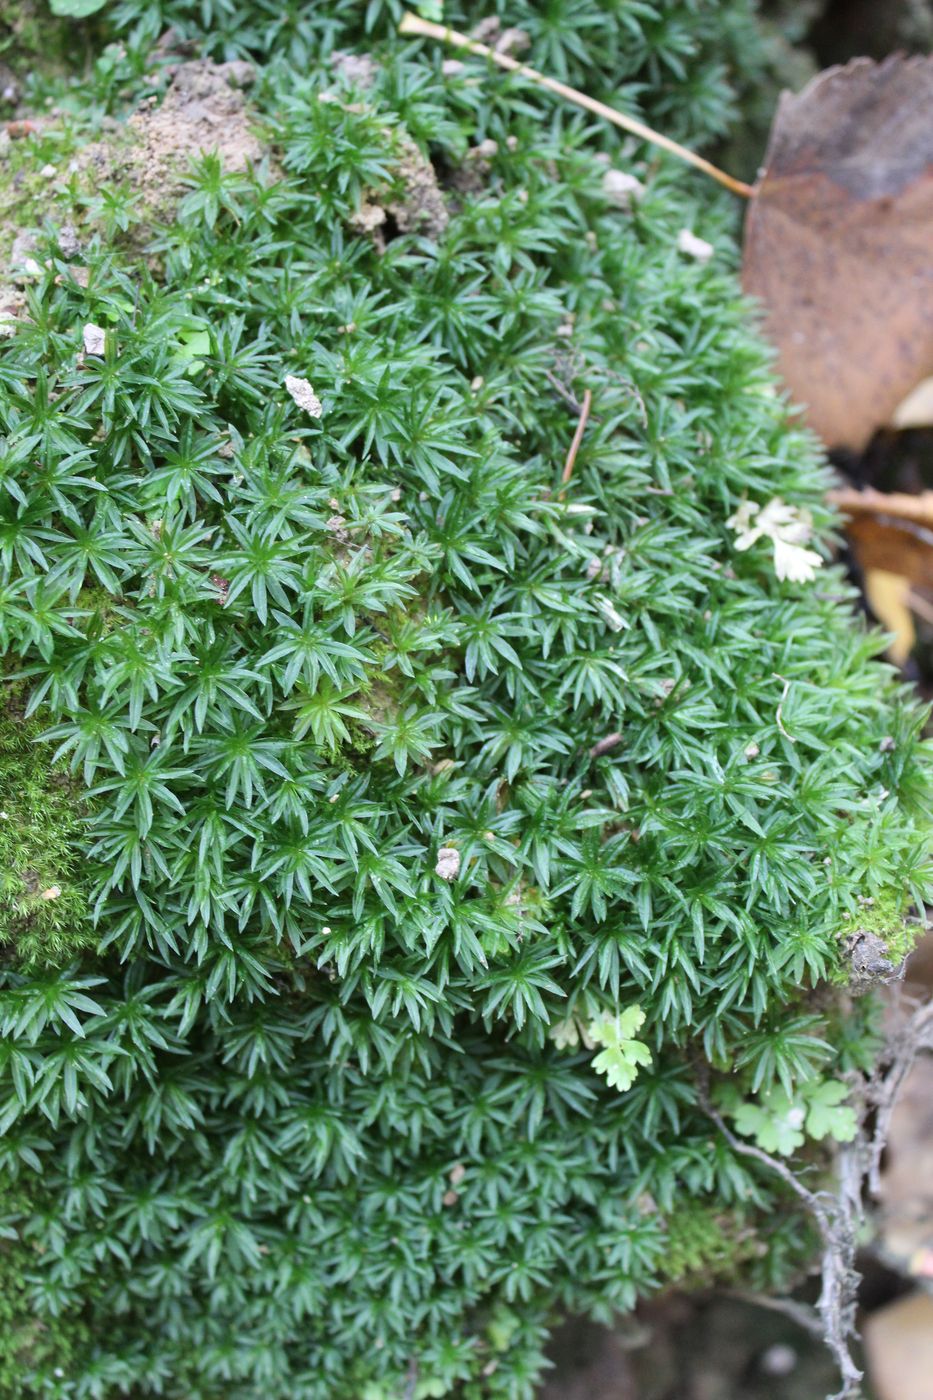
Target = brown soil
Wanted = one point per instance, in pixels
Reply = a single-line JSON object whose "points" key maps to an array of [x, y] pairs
{"points": [[204, 110], [422, 208]]}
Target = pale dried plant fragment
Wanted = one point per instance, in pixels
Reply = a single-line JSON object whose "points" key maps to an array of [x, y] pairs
{"points": [[53, 892], [789, 529], [570, 1033], [448, 863], [565, 1034], [610, 612], [95, 339], [303, 395], [694, 247], [621, 189]]}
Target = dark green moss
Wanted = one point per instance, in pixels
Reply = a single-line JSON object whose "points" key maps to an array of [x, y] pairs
{"points": [[410, 769]]}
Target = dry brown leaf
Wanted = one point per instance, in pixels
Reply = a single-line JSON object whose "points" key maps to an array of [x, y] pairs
{"points": [[897, 546], [889, 599], [839, 243], [916, 411]]}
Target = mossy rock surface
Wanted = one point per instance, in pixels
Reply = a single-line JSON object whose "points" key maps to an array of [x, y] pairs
{"points": [[398, 773]]}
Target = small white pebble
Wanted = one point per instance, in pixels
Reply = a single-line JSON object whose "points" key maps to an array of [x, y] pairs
{"points": [[95, 339], [303, 395], [694, 247], [448, 863], [48, 172]]}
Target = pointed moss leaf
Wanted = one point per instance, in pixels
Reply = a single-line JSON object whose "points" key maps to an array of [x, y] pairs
{"points": [[827, 1115]]}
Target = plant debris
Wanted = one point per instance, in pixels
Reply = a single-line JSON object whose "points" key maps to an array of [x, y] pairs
{"points": [[837, 243], [95, 339]]}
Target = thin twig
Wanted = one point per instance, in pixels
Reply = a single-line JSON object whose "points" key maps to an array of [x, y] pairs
{"points": [[816, 1204], [414, 24], [882, 1092], [577, 437]]}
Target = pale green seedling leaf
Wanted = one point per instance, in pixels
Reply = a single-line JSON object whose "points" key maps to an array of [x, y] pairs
{"points": [[76, 9], [622, 1055], [776, 1122], [827, 1115], [191, 346]]}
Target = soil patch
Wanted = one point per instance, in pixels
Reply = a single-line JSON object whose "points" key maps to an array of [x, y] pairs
{"points": [[204, 110]]}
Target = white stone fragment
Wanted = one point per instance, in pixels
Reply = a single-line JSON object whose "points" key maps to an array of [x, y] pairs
{"points": [[694, 247], [95, 339], [448, 863], [622, 189], [304, 395]]}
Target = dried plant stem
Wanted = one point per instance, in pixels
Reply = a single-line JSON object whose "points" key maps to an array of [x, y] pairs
{"points": [[577, 437], [898, 505], [413, 24]]}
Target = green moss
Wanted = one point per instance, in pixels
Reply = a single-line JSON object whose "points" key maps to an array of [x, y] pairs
{"points": [[35, 43], [889, 918], [706, 1245], [30, 1344], [307, 1173], [43, 902]]}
